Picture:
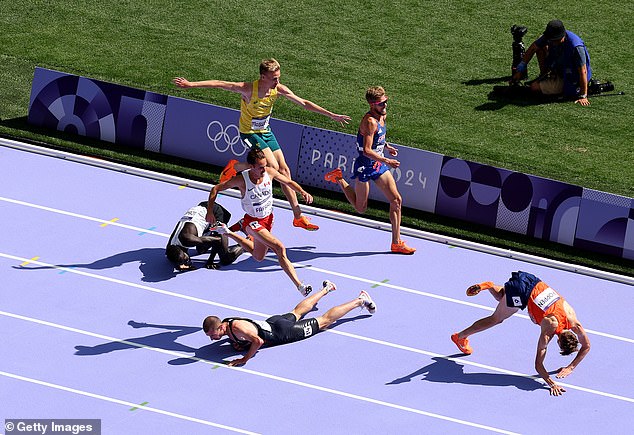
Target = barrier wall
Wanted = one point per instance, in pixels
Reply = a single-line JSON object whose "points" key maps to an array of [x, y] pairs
{"points": [[494, 197]]}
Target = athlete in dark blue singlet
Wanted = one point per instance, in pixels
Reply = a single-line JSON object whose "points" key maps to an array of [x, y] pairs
{"points": [[371, 164], [249, 335]]}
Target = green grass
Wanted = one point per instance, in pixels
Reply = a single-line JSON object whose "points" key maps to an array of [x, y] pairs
{"points": [[438, 61]]}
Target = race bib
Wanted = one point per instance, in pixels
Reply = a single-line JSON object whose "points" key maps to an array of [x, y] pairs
{"points": [[546, 298], [260, 123]]}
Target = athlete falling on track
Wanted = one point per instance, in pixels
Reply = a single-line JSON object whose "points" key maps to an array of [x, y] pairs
{"points": [[546, 308]]}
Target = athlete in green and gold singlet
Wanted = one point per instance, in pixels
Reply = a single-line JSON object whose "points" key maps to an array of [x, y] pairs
{"points": [[257, 102]]}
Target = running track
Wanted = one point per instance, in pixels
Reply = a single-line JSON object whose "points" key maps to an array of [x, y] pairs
{"points": [[96, 325]]}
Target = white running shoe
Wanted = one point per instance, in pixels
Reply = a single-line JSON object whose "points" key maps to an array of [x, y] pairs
{"points": [[220, 228], [368, 303], [329, 286], [305, 289]]}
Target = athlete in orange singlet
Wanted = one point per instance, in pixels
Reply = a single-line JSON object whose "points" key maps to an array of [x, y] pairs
{"points": [[546, 308]]}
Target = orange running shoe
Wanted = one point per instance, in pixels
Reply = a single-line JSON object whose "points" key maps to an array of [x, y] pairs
{"points": [[462, 343], [474, 290], [229, 171], [402, 248], [304, 222], [334, 176]]}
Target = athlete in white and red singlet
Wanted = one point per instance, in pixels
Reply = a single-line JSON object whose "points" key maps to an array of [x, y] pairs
{"points": [[255, 185]]}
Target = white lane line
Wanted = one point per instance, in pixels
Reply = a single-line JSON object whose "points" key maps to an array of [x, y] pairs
{"points": [[82, 216], [123, 402], [299, 265], [240, 369], [333, 331], [325, 271]]}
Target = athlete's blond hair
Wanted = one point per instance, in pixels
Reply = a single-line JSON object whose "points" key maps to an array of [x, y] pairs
{"points": [[269, 65], [374, 93]]}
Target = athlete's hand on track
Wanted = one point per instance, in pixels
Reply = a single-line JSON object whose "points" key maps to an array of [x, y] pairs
{"points": [[556, 390], [565, 371]]}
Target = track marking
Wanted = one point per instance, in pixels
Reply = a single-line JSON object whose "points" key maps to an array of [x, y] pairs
{"points": [[217, 364], [64, 271], [332, 331], [317, 269], [122, 402], [142, 405], [81, 216], [25, 262], [145, 232], [111, 221], [378, 284]]}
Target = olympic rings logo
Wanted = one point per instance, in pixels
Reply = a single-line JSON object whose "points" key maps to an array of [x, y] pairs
{"points": [[227, 138]]}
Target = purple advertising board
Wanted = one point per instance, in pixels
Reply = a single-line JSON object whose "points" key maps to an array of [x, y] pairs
{"points": [[512, 201], [606, 224], [494, 197], [208, 133], [97, 109], [324, 150]]}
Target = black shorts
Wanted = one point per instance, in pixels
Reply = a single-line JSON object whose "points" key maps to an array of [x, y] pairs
{"points": [[285, 328]]}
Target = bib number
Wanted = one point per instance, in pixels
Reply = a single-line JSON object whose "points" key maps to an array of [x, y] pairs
{"points": [[260, 123]]}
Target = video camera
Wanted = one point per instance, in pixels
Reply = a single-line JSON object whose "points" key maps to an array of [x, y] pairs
{"points": [[519, 49]]}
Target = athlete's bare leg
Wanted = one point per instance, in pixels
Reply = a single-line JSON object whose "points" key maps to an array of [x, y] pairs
{"points": [[306, 305], [336, 313], [388, 186]]}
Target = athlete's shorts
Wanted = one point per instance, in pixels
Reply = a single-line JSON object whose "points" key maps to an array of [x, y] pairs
{"points": [[264, 140], [369, 172], [285, 328], [257, 224], [518, 289]]}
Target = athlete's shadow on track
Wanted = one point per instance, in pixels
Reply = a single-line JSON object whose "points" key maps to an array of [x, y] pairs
{"points": [[213, 352], [297, 254], [153, 264], [450, 372], [306, 253]]}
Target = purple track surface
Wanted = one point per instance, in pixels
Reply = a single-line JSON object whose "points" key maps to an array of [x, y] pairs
{"points": [[96, 325]]}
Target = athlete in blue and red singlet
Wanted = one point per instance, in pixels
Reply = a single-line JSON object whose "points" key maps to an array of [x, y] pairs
{"points": [[546, 308], [371, 164]]}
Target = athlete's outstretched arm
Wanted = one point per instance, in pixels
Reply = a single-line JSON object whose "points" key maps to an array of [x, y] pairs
{"points": [[276, 175], [309, 105], [213, 194], [547, 333], [237, 87]]}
